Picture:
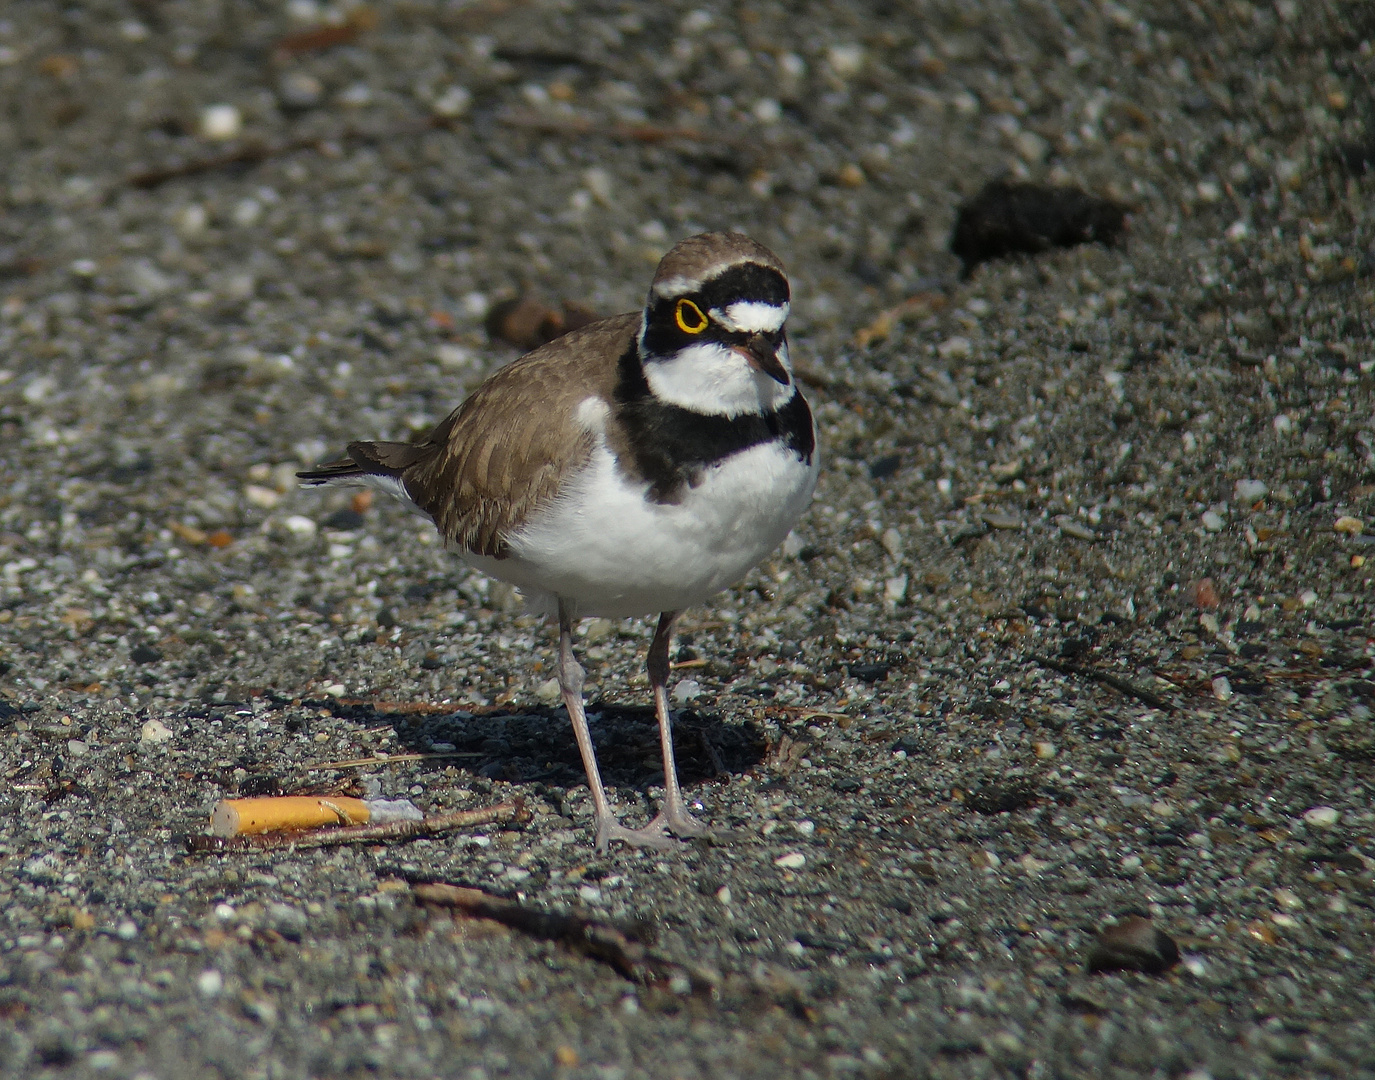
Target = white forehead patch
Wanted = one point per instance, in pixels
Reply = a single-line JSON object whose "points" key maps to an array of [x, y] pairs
{"points": [[676, 286], [751, 316]]}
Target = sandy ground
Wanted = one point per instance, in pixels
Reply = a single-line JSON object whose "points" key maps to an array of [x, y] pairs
{"points": [[1078, 627]]}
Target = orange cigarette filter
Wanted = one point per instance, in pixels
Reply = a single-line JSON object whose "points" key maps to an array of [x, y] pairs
{"points": [[237, 817]]}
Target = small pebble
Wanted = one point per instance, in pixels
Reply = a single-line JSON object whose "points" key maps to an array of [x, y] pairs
{"points": [[1249, 492], [210, 982], [264, 497], [687, 690], [955, 348], [995, 520], [155, 731], [221, 122], [299, 90], [1222, 688], [1212, 521], [549, 691], [1349, 526], [1134, 944], [794, 860], [299, 525], [1322, 817], [452, 103], [1072, 528]]}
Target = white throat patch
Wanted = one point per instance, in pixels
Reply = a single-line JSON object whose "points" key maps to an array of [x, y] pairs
{"points": [[717, 380]]}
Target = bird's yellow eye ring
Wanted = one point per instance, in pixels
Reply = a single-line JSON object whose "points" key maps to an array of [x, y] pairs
{"points": [[689, 317]]}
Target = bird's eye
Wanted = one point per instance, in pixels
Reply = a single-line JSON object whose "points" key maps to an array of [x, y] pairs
{"points": [[689, 317]]}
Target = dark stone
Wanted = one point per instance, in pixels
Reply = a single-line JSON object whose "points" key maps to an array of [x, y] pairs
{"points": [[1011, 218], [144, 654], [1134, 944], [1001, 797], [870, 673], [884, 467], [345, 520]]}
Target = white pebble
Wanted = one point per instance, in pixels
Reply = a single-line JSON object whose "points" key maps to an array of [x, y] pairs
{"points": [[1308, 598], [264, 497], [454, 356], [225, 912], [845, 60], [210, 982], [127, 930], [805, 827], [221, 122], [895, 589], [687, 690], [299, 525], [794, 860], [549, 691], [155, 731], [1322, 817], [955, 348], [1212, 521], [246, 212], [767, 111], [1222, 688], [452, 102], [1251, 491], [723, 895]]}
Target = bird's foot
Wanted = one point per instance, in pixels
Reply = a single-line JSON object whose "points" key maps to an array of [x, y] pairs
{"points": [[677, 821], [653, 835]]}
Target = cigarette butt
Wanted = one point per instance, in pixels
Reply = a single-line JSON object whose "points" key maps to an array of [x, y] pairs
{"points": [[236, 817]]}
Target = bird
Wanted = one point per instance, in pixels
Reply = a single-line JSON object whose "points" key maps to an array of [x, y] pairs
{"points": [[632, 467]]}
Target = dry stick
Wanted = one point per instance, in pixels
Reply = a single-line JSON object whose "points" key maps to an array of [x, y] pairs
{"points": [[620, 946], [645, 133], [355, 763], [253, 153], [1121, 685], [433, 825]]}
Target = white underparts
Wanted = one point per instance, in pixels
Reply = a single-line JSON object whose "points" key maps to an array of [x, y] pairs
{"points": [[715, 379], [604, 547]]}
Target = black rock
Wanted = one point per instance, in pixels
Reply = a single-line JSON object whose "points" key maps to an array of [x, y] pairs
{"points": [[1001, 797], [1011, 218], [344, 519], [144, 654], [884, 467], [870, 673], [1134, 944]]}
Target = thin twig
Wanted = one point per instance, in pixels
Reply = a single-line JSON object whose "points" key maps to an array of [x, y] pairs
{"points": [[363, 762], [433, 825], [1107, 678], [622, 946], [256, 152], [580, 127]]}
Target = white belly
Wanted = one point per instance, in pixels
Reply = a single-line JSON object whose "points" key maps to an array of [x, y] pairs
{"points": [[606, 550]]}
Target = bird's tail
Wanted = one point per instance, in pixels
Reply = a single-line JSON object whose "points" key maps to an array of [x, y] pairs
{"points": [[367, 463]]}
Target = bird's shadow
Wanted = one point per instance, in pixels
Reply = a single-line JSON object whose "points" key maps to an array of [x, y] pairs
{"points": [[536, 745]]}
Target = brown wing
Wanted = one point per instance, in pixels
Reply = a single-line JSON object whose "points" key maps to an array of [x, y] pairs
{"points": [[509, 446]]}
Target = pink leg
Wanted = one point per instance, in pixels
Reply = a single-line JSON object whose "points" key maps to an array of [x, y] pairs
{"points": [[570, 682]]}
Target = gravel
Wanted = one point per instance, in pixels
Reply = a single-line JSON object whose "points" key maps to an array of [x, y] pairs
{"points": [[221, 257]]}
